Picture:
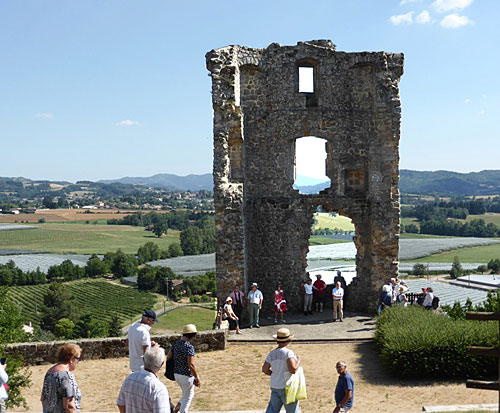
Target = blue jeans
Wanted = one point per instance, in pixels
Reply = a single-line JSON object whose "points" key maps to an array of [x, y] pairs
{"points": [[278, 399]]}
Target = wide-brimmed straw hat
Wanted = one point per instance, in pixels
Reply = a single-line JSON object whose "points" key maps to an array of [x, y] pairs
{"points": [[283, 334], [189, 328]]}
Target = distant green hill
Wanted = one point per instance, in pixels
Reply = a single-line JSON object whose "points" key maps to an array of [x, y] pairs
{"points": [[446, 182], [436, 182]]}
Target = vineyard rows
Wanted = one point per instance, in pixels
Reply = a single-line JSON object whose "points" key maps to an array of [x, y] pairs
{"points": [[99, 298]]}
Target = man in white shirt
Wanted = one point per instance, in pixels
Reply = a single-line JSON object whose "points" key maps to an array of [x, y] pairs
{"points": [[308, 297], [280, 364], [139, 339], [3, 394], [254, 305], [338, 299], [142, 391]]}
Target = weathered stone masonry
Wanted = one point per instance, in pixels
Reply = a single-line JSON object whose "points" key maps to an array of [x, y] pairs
{"points": [[263, 224]]}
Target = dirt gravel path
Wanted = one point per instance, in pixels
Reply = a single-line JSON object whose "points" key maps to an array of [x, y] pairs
{"points": [[232, 380]]}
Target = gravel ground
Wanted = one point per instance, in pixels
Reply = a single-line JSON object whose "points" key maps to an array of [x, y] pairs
{"points": [[232, 380]]}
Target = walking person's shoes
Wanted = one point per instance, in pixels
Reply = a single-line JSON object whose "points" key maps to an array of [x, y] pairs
{"points": [[250, 327], [341, 320], [305, 312], [257, 326]]}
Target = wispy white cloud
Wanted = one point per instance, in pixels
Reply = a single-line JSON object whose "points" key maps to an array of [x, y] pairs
{"points": [[454, 21], [127, 122], [482, 112], [402, 19], [423, 17], [403, 2], [467, 101], [442, 6], [44, 116]]}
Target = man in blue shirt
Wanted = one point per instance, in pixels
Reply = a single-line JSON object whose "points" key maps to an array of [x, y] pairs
{"points": [[344, 391]]}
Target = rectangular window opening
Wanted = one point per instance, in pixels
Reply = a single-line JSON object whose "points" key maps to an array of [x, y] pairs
{"points": [[306, 79]]}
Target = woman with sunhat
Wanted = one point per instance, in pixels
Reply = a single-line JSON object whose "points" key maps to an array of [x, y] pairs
{"points": [[231, 316], [280, 364], [185, 372]]}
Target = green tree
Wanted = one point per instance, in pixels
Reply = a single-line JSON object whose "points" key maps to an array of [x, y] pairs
{"points": [[115, 326], [494, 265], [456, 268], [82, 326], [419, 269], [58, 303], [124, 265], [175, 250], [64, 328], [95, 267], [11, 331], [191, 241], [159, 229]]}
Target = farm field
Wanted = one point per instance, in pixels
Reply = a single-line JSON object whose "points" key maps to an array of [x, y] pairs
{"points": [[325, 220], [64, 215], [100, 298], [174, 320], [83, 238], [482, 253], [489, 217], [320, 240]]}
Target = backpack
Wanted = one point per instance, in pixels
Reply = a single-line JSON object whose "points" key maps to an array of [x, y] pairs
{"points": [[435, 303]]}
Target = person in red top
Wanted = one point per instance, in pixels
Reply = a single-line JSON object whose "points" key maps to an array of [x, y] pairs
{"points": [[319, 293]]}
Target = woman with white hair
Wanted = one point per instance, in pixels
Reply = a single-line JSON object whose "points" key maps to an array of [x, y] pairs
{"points": [[142, 391]]}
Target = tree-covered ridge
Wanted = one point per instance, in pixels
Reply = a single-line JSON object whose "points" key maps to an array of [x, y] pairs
{"points": [[485, 182]]}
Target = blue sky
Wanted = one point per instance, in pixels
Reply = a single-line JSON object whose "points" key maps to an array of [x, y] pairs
{"points": [[94, 89]]}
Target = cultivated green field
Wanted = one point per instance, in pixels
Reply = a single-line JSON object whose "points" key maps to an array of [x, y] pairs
{"points": [[325, 220], [174, 320], [100, 298], [83, 238], [407, 221], [488, 217], [483, 253], [320, 240]]}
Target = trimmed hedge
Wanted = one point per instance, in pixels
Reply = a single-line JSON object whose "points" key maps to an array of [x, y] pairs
{"points": [[415, 342]]}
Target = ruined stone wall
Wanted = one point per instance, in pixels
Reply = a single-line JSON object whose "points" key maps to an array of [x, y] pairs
{"points": [[104, 348], [263, 224]]}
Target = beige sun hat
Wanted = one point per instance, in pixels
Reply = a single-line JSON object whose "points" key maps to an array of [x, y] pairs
{"points": [[189, 328], [283, 334]]}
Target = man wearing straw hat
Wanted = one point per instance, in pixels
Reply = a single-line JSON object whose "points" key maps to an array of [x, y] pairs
{"points": [[280, 364]]}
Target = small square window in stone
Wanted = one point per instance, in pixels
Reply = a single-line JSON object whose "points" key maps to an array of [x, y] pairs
{"points": [[355, 180]]}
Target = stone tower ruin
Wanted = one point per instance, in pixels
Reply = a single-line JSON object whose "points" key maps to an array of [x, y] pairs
{"points": [[263, 224]]}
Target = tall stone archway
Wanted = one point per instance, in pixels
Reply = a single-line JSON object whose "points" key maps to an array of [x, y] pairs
{"points": [[263, 225]]}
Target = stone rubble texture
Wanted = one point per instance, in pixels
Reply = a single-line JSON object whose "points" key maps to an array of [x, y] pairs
{"points": [[263, 225], [104, 348]]}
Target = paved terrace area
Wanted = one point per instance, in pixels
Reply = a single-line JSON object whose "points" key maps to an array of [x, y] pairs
{"points": [[317, 327]]}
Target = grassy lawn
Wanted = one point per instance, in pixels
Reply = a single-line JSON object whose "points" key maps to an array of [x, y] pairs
{"points": [[407, 235], [174, 320], [407, 221], [325, 220], [83, 238], [320, 240], [488, 217], [482, 253]]}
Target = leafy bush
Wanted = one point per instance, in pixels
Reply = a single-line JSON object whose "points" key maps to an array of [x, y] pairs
{"points": [[415, 342]]}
